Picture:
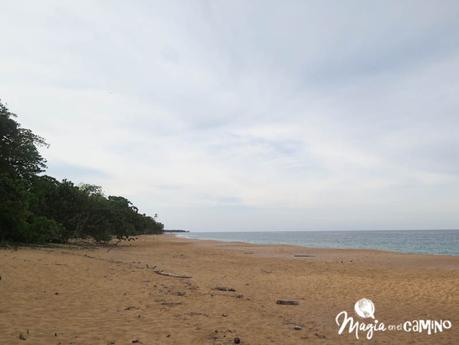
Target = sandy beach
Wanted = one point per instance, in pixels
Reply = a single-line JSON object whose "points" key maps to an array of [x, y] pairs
{"points": [[168, 290]]}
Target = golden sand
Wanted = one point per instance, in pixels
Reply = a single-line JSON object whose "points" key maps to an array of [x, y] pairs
{"points": [[99, 296]]}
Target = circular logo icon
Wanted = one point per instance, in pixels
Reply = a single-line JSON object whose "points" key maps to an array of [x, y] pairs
{"points": [[365, 308]]}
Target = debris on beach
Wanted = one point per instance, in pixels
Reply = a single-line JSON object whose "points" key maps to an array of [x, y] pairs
{"points": [[22, 336], [295, 325], [224, 288], [287, 302], [303, 256], [320, 336], [171, 304], [194, 313], [170, 274], [223, 336]]}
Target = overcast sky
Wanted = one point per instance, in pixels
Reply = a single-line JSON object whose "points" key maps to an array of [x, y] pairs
{"points": [[246, 115]]}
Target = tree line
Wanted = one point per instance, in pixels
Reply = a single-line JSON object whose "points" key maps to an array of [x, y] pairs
{"points": [[36, 208]]}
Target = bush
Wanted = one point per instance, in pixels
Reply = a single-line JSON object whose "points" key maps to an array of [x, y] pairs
{"points": [[42, 230]]}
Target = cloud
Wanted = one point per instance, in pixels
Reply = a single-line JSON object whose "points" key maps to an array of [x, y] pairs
{"points": [[246, 115]]}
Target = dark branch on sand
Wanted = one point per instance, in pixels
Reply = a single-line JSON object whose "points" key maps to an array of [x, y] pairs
{"points": [[170, 274]]}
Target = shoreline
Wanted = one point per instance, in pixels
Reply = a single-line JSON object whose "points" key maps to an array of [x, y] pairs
{"points": [[311, 247], [288, 251], [165, 289]]}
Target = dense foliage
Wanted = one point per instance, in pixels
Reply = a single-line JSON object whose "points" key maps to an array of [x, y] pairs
{"points": [[36, 208]]}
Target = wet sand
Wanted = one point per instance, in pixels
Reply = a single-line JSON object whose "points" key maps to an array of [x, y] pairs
{"points": [[69, 295]]}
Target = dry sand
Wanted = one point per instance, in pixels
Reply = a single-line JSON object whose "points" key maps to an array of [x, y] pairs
{"points": [[95, 296]]}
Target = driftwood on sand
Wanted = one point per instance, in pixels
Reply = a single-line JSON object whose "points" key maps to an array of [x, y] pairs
{"points": [[170, 274], [224, 288], [287, 302]]}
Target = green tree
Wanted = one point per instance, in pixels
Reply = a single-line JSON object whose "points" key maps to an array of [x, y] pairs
{"points": [[13, 209], [39, 208], [19, 155]]}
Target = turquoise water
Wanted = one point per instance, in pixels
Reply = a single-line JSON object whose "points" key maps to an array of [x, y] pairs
{"points": [[410, 241]]}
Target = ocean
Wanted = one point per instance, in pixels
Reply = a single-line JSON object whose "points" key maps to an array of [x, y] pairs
{"points": [[444, 242]]}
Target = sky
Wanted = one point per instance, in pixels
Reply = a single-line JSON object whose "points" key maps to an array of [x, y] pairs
{"points": [[246, 115]]}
